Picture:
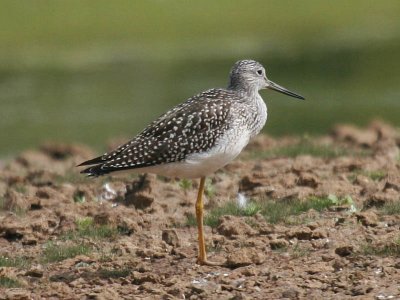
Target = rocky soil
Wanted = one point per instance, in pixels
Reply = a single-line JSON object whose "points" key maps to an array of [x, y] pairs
{"points": [[64, 236]]}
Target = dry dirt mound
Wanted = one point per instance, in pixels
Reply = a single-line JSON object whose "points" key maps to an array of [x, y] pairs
{"points": [[292, 218]]}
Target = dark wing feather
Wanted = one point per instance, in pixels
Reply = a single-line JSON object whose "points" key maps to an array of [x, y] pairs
{"points": [[190, 127], [93, 161]]}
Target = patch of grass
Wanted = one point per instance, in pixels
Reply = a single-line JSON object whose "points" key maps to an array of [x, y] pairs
{"points": [[299, 251], [390, 249], [251, 222], [19, 211], [376, 175], [346, 200], [274, 211], [306, 147], [231, 208], [87, 229], [185, 184], [2, 203], [298, 220], [20, 188], [191, 220], [107, 256], [6, 282], [55, 253], [277, 211], [16, 262], [391, 208], [79, 197], [213, 248], [209, 189]]}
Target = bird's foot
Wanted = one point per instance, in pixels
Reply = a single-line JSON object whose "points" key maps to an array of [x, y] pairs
{"points": [[205, 262]]}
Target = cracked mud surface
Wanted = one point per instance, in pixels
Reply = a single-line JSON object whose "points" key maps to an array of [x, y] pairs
{"points": [[145, 249]]}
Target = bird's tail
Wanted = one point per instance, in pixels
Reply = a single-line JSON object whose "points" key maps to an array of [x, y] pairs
{"points": [[95, 171]]}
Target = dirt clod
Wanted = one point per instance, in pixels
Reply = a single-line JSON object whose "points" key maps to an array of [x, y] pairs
{"points": [[35, 271], [278, 244], [304, 233], [139, 193], [244, 257], [170, 237], [307, 179], [291, 293], [231, 227], [140, 278], [367, 218], [344, 250]]}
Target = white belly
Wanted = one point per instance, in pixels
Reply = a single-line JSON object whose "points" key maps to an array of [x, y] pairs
{"points": [[202, 164]]}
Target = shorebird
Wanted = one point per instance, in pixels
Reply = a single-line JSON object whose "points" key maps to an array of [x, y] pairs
{"points": [[198, 136]]}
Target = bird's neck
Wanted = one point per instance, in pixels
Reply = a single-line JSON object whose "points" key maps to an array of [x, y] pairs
{"points": [[245, 92]]}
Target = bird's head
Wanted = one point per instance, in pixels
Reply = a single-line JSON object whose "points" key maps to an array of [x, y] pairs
{"points": [[249, 75]]}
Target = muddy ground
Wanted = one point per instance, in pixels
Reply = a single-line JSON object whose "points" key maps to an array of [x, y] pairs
{"points": [[64, 236]]}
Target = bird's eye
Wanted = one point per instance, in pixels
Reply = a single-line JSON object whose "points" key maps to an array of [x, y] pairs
{"points": [[259, 72]]}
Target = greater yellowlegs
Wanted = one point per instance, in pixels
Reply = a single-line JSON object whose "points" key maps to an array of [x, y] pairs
{"points": [[198, 136]]}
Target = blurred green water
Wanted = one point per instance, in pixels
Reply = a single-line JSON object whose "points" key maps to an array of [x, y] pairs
{"points": [[79, 71]]}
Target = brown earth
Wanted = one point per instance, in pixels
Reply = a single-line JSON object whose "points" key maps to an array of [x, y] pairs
{"points": [[153, 255]]}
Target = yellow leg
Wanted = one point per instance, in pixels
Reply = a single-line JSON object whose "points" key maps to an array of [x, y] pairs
{"points": [[202, 259]]}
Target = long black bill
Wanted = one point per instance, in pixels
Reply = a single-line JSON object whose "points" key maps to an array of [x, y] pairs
{"points": [[281, 89]]}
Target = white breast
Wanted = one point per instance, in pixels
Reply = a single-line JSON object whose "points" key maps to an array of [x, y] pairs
{"points": [[262, 114], [201, 164]]}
